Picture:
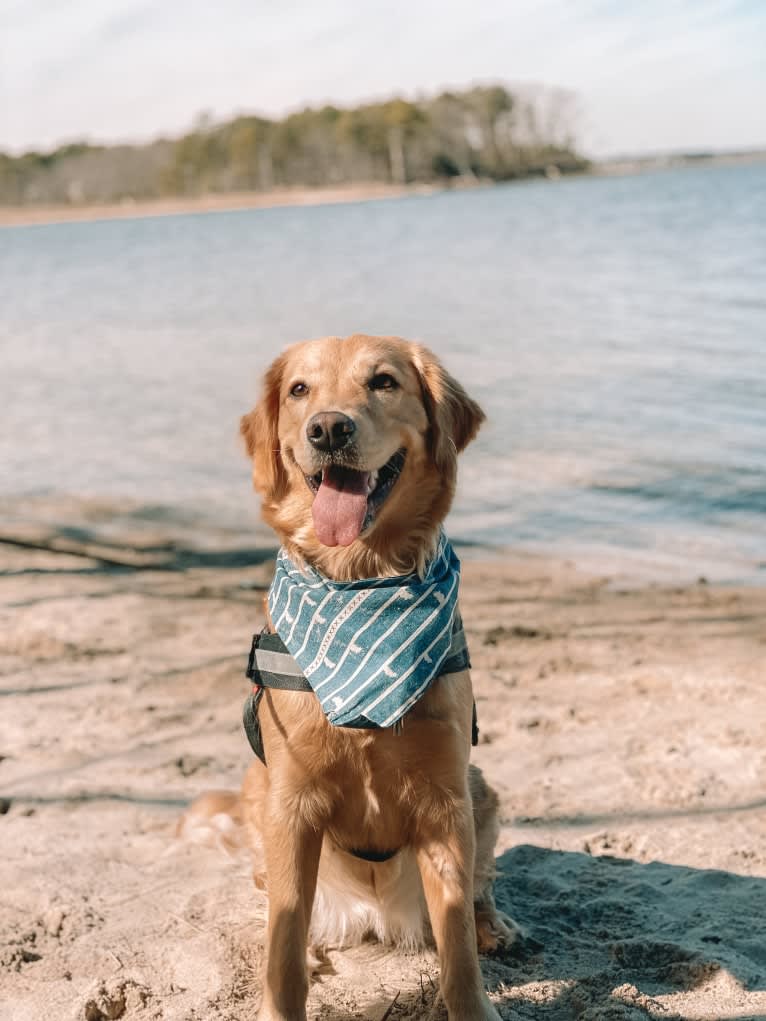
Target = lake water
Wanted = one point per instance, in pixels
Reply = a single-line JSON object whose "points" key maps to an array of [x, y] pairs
{"points": [[613, 328]]}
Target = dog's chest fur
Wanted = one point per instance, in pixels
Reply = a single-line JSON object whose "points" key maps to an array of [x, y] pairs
{"points": [[377, 786]]}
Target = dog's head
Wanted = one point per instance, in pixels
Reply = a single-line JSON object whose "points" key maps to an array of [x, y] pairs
{"points": [[354, 446]]}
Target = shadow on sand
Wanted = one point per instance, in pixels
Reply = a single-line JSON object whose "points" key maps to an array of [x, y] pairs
{"points": [[608, 936], [603, 923], [111, 558]]}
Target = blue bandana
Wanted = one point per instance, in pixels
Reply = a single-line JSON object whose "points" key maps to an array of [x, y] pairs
{"points": [[370, 649]]}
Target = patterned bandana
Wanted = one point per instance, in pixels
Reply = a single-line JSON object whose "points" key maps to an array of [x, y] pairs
{"points": [[370, 649]]}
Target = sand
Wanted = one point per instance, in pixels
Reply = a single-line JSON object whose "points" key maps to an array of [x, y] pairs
{"points": [[624, 728], [129, 209]]}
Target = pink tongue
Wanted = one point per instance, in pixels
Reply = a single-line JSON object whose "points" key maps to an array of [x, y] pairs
{"points": [[340, 506]]}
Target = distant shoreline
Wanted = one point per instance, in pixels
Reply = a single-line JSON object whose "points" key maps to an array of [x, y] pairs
{"points": [[22, 216], [129, 209], [624, 166]]}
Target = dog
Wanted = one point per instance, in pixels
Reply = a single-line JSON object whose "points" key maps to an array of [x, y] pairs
{"points": [[367, 829]]}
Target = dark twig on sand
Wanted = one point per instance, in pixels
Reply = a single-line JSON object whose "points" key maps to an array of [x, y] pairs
{"points": [[390, 1007]]}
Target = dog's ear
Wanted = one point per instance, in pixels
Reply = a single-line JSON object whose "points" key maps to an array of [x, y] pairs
{"points": [[453, 416], [260, 429]]}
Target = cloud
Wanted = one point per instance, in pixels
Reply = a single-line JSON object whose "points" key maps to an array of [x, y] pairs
{"points": [[660, 74]]}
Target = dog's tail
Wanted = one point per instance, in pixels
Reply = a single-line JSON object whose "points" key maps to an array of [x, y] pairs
{"points": [[215, 819]]}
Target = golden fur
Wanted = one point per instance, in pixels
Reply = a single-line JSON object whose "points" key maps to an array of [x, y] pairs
{"points": [[327, 789], [430, 414]]}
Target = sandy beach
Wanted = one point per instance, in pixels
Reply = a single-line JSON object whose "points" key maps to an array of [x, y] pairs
{"points": [[622, 726], [19, 216]]}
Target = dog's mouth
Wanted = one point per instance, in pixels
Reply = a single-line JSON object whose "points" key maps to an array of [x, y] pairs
{"points": [[346, 500]]}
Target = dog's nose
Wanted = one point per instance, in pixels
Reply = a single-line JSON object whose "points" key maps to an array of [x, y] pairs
{"points": [[330, 430]]}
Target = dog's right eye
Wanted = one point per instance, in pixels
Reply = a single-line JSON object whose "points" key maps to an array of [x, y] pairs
{"points": [[298, 390], [383, 381]]}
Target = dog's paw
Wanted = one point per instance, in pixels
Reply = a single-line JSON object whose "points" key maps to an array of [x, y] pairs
{"points": [[317, 962], [483, 1012], [480, 1009], [271, 1014], [495, 931]]}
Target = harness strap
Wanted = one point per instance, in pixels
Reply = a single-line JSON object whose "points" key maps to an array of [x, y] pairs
{"points": [[375, 856], [270, 665]]}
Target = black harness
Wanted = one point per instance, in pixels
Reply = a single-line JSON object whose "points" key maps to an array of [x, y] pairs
{"points": [[266, 666], [270, 665]]}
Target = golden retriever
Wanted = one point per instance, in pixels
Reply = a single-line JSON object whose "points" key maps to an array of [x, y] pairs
{"points": [[384, 414]]}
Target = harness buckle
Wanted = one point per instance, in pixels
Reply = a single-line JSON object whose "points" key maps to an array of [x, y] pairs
{"points": [[250, 671]]}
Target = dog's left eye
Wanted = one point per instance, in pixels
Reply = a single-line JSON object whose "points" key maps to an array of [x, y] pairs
{"points": [[383, 381]]}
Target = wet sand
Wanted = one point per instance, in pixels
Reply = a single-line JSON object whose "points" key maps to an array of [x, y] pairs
{"points": [[624, 728]]}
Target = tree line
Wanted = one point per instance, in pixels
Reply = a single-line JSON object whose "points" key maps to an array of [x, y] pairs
{"points": [[485, 132]]}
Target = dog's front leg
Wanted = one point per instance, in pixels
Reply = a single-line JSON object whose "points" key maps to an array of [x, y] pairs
{"points": [[292, 847], [446, 866]]}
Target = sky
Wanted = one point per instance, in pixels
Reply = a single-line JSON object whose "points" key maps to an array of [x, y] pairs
{"points": [[649, 75]]}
